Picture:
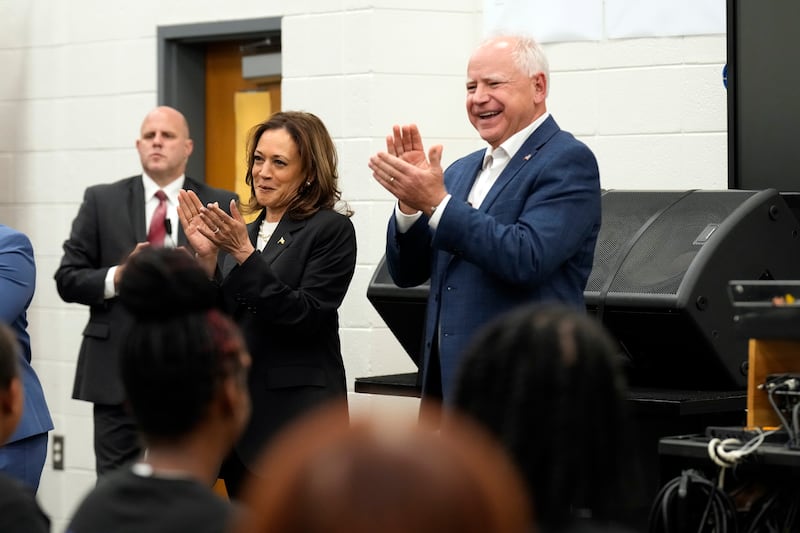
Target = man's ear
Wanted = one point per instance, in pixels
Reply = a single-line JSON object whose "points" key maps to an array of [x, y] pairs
{"points": [[11, 401], [540, 87]]}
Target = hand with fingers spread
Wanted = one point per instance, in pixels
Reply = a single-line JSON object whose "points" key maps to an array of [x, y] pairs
{"points": [[189, 207], [404, 170], [209, 229], [227, 232], [406, 143]]}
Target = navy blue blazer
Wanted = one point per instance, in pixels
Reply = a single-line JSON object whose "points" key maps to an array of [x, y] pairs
{"points": [[17, 285], [532, 239], [285, 299], [109, 224]]}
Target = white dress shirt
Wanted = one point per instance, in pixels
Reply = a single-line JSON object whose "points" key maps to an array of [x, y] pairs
{"points": [[150, 204]]}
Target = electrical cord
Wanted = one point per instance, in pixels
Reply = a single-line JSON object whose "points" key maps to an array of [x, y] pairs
{"points": [[693, 502], [779, 412], [790, 385], [672, 509], [779, 512], [720, 451]]}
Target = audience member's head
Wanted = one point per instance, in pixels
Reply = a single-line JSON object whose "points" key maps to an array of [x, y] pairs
{"points": [[546, 381], [11, 399], [181, 354], [330, 477]]}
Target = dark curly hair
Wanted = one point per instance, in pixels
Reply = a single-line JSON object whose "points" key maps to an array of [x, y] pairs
{"points": [[180, 347], [547, 381]]}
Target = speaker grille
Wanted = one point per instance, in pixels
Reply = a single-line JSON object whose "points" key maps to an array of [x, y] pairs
{"points": [[624, 214], [659, 260]]}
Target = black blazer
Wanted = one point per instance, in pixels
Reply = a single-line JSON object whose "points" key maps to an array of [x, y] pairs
{"points": [[286, 299], [109, 224]]}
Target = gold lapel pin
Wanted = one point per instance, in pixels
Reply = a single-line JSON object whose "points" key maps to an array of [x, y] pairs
{"points": [[281, 241]]}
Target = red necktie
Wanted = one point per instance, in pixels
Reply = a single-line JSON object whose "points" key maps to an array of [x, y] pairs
{"points": [[158, 227]]}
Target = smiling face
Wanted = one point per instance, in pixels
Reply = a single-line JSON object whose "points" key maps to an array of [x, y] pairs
{"points": [[502, 99], [277, 172], [164, 145]]}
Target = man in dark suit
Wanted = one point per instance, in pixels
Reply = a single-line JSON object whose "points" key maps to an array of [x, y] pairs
{"points": [[115, 221], [513, 223]]}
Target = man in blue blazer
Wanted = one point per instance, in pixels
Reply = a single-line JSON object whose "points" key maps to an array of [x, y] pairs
{"points": [[112, 223], [24, 453], [513, 223]]}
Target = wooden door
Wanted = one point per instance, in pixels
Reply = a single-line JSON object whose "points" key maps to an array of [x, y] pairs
{"points": [[224, 157]]}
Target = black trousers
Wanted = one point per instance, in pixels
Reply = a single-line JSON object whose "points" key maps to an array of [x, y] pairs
{"points": [[430, 413], [116, 440], [432, 387]]}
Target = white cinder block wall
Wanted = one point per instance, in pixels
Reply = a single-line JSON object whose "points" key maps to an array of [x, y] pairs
{"points": [[79, 76]]}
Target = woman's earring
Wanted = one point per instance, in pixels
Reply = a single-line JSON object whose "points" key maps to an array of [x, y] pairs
{"points": [[308, 182]]}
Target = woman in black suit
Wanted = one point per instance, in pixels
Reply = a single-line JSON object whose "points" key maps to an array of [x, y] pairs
{"points": [[285, 274]]}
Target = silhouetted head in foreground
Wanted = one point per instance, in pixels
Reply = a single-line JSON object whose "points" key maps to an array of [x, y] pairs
{"points": [[330, 477], [181, 355], [546, 381], [11, 393]]}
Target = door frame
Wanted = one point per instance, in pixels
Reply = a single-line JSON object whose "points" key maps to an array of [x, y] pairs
{"points": [[182, 70]]}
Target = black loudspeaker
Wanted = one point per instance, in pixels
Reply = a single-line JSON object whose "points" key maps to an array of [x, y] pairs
{"points": [[660, 278], [659, 281]]}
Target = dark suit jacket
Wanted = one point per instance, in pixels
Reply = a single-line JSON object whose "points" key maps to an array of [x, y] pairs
{"points": [[110, 222], [286, 300], [17, 285], [532, 239]]}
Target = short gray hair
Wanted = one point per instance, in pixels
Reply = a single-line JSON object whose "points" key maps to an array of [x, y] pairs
{"points": [[526, 53]]}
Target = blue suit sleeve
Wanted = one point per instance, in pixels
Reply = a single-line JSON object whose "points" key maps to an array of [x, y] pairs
{"points": [[537, 223], [17, 276]]}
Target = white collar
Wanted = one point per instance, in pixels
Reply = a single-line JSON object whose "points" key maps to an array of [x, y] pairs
{"points": [[170, 189], [512, 145], [143, 469]]}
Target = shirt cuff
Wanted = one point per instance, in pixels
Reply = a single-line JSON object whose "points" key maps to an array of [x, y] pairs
{"points": [[110, 290], [433, 222], [404, 221]]}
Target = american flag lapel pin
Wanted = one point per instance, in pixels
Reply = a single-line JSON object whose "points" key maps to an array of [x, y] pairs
{"points": [[527, 157]]}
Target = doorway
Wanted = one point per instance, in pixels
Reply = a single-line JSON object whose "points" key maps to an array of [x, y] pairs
{"points": [[200, 72]]}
